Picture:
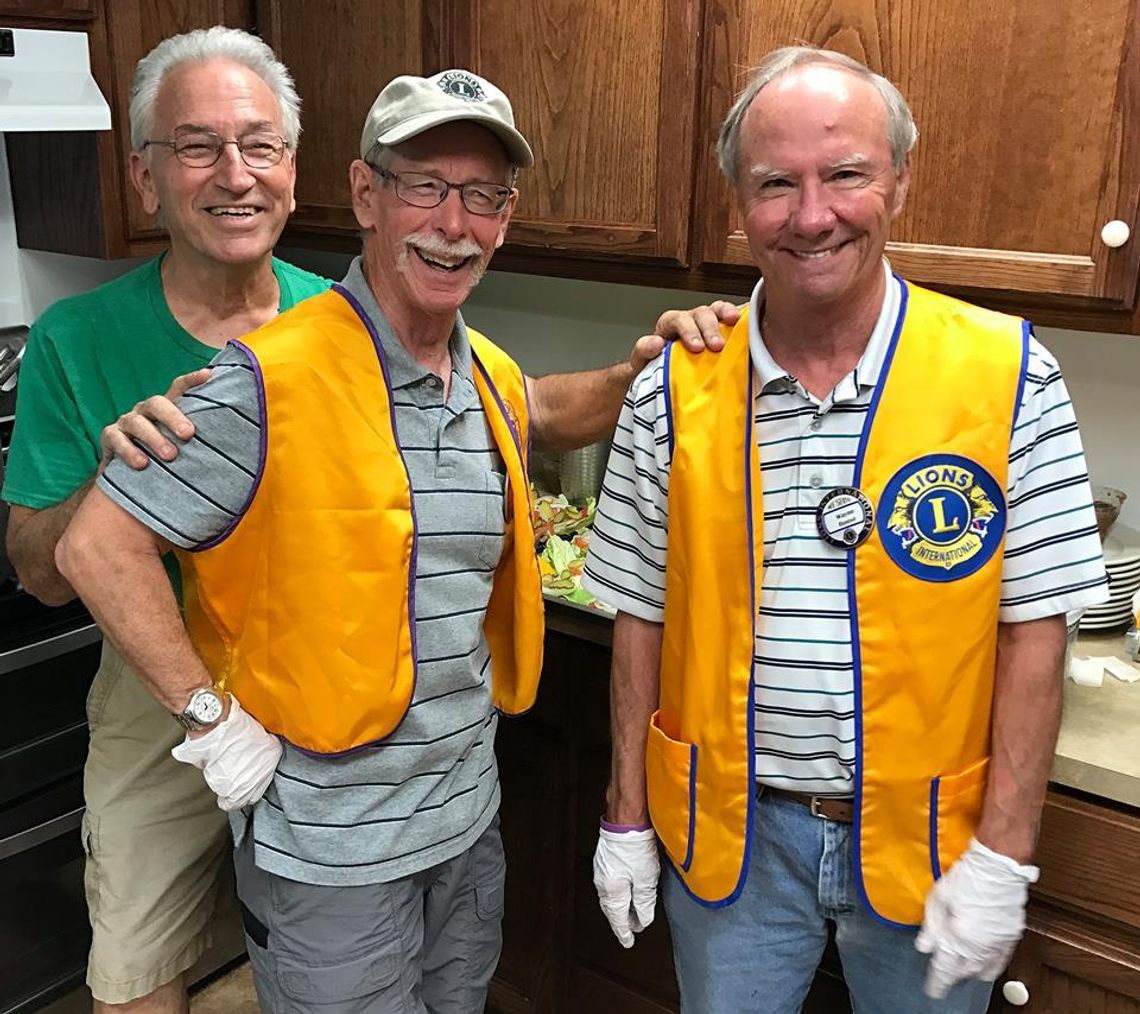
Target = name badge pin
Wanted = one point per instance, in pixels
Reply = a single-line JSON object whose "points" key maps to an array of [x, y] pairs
{"points": [[845, 517]]}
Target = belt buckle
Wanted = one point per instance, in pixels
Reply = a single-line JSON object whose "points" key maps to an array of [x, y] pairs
{"points": [[814, 807]]}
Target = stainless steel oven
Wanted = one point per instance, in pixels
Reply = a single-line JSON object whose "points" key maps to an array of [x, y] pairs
{"points": [[48, 657]]}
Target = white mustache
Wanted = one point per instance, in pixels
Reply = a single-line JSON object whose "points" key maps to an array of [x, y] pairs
{"points": [[435, 246]]}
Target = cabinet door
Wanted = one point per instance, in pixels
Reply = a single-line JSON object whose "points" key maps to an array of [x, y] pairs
{"points": [[1028, 141], [82, 10], [1064, 976], [605, 94], [341, 53], [135, 27]]}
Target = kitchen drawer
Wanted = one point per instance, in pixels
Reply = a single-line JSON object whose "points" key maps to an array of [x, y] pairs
{"points": [[1090, 859], [1068, 974]]}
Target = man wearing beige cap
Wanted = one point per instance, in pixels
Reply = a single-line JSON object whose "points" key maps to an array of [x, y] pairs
{"points": [[352, 522]]}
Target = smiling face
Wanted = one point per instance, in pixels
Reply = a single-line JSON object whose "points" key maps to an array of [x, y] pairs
{"points": [[426, 261], [227, 213], [817, 188]]}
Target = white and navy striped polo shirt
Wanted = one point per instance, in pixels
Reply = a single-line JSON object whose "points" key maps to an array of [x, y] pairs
{"points": [[802, 664], [431, 788]]}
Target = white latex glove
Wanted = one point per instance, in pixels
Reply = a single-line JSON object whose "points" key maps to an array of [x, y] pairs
{"points": [[975, 916], [237, 757], [626, 868]]}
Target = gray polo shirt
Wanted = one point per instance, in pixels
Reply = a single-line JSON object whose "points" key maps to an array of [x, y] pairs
{"points": [[431, 788]]}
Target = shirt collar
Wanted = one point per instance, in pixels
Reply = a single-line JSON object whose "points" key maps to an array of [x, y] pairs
{"points": [[403, 370], [870, 365]]}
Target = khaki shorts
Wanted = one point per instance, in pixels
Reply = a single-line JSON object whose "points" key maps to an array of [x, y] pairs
{"points": [[158, 848]]}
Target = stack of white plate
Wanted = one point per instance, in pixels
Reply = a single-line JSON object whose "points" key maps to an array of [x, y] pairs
{"points": [[1122, 561]]}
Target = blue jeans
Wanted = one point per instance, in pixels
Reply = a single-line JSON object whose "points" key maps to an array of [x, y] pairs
{"points": [[759, 955]]}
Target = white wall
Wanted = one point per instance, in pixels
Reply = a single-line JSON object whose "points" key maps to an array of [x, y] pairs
{"points": [[551, 325]]}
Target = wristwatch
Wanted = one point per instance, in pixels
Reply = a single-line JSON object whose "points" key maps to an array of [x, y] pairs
{"points": [[202, 710]]}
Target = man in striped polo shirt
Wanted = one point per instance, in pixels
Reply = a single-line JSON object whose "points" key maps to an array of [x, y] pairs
{"points": [[352, 516], [841, 554]]}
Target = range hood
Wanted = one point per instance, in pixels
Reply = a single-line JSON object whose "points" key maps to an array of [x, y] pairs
{"points": [[45, 85], [46, 82]]}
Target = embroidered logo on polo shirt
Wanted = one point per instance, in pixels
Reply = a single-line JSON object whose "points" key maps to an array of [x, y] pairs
{"points": [[461, 85], [941, 517]]}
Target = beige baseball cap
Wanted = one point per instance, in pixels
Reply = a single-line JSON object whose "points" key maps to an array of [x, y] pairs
{"points": [[409, 105]]}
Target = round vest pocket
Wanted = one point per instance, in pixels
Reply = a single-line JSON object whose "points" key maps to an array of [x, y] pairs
{"points": [[670, 771]]}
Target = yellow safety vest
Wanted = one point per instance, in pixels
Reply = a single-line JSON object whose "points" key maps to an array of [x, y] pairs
{"points": [[306, 608], [924, 596]]}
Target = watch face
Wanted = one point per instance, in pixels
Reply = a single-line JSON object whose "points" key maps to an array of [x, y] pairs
{"points": [[205, 707]]}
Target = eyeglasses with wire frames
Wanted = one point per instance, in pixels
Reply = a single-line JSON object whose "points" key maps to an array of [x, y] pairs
{"points": [[260, 150], [422, 190]]}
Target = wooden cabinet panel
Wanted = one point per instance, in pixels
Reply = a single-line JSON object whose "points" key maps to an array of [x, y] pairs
{"points": [[341, 53], [80, 10], [605, 93], [135, 28], [1090, 859], [1028, 139], [1070, 976]]}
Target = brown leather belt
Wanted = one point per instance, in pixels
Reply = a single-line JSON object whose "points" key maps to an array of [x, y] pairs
{"points": [[839, 809]]}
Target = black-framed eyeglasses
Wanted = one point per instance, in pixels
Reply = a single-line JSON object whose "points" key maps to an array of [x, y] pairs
{"points": [[422, 190], [200, 151]]}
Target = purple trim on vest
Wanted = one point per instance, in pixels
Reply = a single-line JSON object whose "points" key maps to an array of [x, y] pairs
{"points": [[379, 348], [529, 415], [624, 828], [852, 605], [502, 408], [262, 450]]}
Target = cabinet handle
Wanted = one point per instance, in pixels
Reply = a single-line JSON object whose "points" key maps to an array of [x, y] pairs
{"points": [[1115, 233], [1016, 993]]}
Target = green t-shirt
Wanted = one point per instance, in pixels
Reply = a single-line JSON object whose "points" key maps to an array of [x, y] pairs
{"points": [[89, 359]]}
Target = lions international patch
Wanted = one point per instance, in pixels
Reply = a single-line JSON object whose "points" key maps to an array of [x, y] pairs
{"points": [[941, 517], [461, 85]]}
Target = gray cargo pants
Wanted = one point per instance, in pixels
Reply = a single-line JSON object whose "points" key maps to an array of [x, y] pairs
{"points": [[425, 943]]}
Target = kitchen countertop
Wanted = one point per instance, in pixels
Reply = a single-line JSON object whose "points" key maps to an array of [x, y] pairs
{"points": [[1098, 751]]}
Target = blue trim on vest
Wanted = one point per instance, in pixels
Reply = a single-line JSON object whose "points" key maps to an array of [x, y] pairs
{"points": [[853, 607], [376, 344], [262, 451], [750, 725], [935, 865], [692, 805], [1026, 332], [665, 381]]}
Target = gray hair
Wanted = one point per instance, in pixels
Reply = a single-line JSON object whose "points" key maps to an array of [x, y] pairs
{"points": [[217, 43], [901, 131]]}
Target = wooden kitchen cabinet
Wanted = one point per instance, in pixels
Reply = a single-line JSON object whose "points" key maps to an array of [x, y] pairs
{"points": [[341, 53], [135, 28], [80, 10], [1070, 974], [1028, 135], [71, 190], [605, 93]]}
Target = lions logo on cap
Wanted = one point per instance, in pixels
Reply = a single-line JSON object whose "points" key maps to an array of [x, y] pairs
{"points": [[461, 85], [941, 517]]}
